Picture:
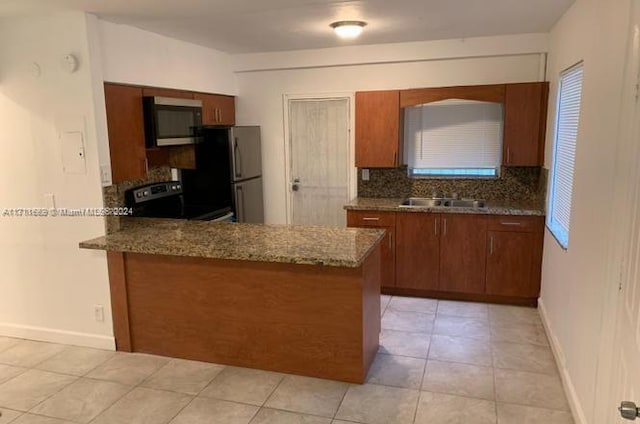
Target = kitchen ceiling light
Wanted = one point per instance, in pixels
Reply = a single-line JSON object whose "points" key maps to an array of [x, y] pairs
{"points": [[348, 29]]}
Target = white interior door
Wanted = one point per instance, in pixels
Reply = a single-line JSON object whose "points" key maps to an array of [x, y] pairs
{"points": [[626, 352], [319, 161]]}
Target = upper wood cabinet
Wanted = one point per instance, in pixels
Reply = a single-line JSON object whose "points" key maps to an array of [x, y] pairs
{"points": [[167, 92], [482, 93], [217, 109], [463, 253], [125, 124], [525, 118], [378, 129], [417, 250], [130, 159], [386, 221]]}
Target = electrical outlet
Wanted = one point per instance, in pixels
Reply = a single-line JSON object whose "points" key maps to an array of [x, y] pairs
{"points": [[365, 174], [98, 313]]}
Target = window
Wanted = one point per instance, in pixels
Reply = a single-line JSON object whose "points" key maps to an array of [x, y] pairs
{"points": [[454, 138], [566, 134]]}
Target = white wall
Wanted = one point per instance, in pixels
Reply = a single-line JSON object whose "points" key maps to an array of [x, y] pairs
{"points": [[49, 286], [131, 55], [260, 100], [574, 282]]}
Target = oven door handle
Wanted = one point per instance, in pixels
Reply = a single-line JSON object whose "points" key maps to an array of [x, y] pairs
{"points": [[223, 218]]}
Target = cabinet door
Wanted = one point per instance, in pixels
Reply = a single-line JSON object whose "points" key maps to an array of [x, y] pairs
{"points": [[384, 221], [510, 263], [226, 110], [126, 131], [463, 253], [217, 109], [525, 124], [417, 250], [378, 129]]}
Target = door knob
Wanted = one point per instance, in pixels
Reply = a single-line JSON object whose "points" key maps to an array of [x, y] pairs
{"points": [[629, 410], [295, 186]]}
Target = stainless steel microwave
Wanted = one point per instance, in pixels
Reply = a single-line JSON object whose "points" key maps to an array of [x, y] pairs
{"points": [[171, 122]]}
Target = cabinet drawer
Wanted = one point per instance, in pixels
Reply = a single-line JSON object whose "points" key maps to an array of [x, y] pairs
{"points": [[528, 224], [371, 219]]}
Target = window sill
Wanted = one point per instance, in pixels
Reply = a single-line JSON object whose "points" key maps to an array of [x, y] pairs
{"points": [[559, 234]]}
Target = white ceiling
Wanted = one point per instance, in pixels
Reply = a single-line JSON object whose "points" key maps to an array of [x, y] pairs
{"points": [[243, 26]]}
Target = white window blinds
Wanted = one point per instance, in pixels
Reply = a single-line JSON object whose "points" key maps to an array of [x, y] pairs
{"points": [[457, 137], [566, 135]]}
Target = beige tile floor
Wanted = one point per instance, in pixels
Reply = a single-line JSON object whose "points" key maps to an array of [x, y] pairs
{"points": [[439, 362]]}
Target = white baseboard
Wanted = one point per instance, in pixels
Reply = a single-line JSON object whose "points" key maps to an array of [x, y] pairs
{"points": [[569, 388], [57, 336]]}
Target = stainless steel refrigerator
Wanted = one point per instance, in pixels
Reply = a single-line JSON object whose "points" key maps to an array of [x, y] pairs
{"points": [[228, 173]]}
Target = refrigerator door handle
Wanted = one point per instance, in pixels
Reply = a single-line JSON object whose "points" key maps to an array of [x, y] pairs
{"points": [[237, 160], [240, 203]]}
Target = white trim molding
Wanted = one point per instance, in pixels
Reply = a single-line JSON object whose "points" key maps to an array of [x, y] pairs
{"points": [[57, 336], [569, 388], [417, 51]]}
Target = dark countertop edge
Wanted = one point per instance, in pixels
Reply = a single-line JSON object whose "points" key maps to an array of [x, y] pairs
{"points": [[100, 243], [497, 210]]}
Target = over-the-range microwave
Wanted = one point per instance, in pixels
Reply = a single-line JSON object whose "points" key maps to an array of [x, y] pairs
{"points": [[171, 122]]}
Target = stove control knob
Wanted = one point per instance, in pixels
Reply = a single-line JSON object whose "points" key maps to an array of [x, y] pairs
{"points": [[145, 193], [138, 194]]}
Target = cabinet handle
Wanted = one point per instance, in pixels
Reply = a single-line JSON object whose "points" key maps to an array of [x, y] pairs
{"points": [[490, 245], [435, 226], [510, 223], [390, 240], [218, 119], [444, 224], [508, 154], [145, 164], [220, 115], [370, 219], [395, 158]]}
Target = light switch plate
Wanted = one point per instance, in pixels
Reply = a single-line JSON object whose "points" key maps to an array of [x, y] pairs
{"points": [[105, 174], [50, 200], [365, 174]]}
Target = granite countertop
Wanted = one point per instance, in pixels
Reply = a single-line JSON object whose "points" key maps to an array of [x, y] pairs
{"points": [[502, 207], [340, 247]]}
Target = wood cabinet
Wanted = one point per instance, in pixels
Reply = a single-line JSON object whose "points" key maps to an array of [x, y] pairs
{"points": [[378, 129], [459, 256], [463, 253], [217, 109], [130, 159], [417, 250], [514, 256], [525, 118], [386, 221], [481, 93], [167, 92], [125, 125]]}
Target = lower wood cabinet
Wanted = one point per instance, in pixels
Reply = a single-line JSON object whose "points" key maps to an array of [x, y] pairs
{"points": [[514, 256], [387, 222], [466, 256], [463, 253], [417, 250]]}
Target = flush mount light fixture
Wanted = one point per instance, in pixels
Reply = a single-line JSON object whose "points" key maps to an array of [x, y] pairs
{"points": [[348, 29]]}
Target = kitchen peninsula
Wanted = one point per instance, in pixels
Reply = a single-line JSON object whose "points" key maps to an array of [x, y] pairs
{"points": [[301, 300]]}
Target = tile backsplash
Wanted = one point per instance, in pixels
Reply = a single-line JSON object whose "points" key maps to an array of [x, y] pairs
{"points": [[515, 183], [113, 195]]}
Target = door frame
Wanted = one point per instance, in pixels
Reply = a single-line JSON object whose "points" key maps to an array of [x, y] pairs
{"points": [[352, 174]]}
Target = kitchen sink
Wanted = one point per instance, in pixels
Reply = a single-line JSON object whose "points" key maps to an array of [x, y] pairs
{"points": [[464, 203], [422, 202], [433, 202]]}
